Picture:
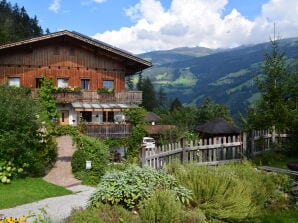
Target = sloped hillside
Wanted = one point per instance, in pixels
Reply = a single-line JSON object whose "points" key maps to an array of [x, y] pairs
{"points": [[227, 76]]}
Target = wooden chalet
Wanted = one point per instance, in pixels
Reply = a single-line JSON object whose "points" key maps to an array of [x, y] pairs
{"points": [[89, 76]]}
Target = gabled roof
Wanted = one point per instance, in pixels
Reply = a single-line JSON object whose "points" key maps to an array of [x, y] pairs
{"points": [[158, 129], [218, 126], [151, 117], [132, 60]]}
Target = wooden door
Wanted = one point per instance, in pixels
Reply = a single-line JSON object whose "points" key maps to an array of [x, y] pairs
{"points": [[64, 117]]}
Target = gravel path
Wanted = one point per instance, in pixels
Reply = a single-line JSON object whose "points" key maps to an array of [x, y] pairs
{"points": [[57, 208]]}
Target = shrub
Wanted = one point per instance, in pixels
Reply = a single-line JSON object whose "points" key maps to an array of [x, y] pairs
{"points": [[9, 171], [89, 149], [23, 134], [131, 186], [161, 207], [103, 214], [195, 215], [232, 192], [61, 130]]}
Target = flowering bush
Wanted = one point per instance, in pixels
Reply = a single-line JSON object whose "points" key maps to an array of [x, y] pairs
{"points": [[105, 90], [68, 90], [8, 170], [22, 219]]}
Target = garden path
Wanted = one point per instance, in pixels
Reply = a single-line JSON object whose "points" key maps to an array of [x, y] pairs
{"points": [[61, 173]]}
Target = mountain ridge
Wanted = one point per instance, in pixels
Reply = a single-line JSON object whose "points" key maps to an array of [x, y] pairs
{"points": [[225, 75]]}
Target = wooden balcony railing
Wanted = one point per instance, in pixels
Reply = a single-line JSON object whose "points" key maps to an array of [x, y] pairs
{"points": [[111, 130], [125, 97]]}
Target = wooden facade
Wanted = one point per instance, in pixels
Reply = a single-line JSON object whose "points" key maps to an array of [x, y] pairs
{"points": [[76, 60]]}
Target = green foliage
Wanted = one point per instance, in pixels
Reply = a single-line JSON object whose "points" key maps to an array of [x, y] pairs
{"points": [[105, 90], [285, 216], [176, 104], [128, 188], [232, 192], [61, 130], [23, 135], [189, 118], [103, 214], [92, 149], [276, 108], [47, 99], [210, 110], [133, 142], [15, 23], [161, 207], [9, 171]]}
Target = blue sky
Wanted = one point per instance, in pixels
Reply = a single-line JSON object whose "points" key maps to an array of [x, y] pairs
{"points": [[145, 25]]}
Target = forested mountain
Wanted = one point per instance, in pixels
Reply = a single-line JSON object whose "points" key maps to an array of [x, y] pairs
{"points": [[226, 76], [15, 23]]}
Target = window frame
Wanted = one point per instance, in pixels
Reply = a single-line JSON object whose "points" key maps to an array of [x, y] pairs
{"points": [[83, 83], [11, 83], [107, 82], [63, 86]]}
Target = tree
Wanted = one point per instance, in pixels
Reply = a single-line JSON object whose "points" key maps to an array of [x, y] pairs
{"points": [[15, 23], [176, 104], [210, 110], [129, 83], [46, 98], [190, 117], [162, 99], [271, 111]]}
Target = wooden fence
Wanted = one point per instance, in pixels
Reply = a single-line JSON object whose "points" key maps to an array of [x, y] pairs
{"points": [[261, 140], [205, 151], [214, 150]]}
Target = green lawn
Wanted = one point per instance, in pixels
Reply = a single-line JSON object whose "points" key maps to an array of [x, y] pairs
{"points": [[22, 191]]}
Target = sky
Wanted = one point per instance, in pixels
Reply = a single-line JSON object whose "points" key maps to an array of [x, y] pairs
{"points": [[140, 26]]}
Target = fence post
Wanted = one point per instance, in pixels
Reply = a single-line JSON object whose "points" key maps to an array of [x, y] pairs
{"points": [[273, 135], [184, 151], [143, 156], [244, 143]]}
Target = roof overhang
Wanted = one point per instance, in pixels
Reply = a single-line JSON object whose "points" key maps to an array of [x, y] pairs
{"points": [[83, 106], [134, 64]]}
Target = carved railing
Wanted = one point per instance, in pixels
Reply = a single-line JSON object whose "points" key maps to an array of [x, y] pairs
{"points": [[110, 130], [125, 97]]}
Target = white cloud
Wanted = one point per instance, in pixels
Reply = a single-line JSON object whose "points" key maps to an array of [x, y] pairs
{"points": [[55, 6], [200, 23], [99, 1]]}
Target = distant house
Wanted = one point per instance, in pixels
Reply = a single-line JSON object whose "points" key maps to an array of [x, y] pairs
{"points": [[152, 118], [89, 76], [153, 128], [218, 127]]}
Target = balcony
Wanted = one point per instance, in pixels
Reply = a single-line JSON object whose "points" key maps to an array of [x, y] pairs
{"points": [[123, 97], [111, 130]]}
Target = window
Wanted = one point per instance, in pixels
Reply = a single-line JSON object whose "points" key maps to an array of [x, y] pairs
{"points": [[108, 84], [14, 81], [108, 116], [62, 82], [37, 82], [86, 116], [85, 84]]}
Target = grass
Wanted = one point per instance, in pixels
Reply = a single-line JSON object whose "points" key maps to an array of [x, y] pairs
{"points": [[288, 216], [275, 159], [22, 191]]}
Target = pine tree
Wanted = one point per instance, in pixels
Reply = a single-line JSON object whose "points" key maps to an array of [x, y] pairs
{"points": [[271, 111]]}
